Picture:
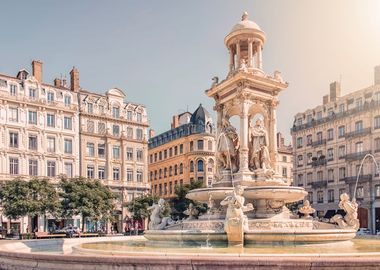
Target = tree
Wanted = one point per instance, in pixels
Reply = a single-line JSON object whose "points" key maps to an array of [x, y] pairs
{"points": [[86, 197], [139, 205], [44, 198], [181, 203]]}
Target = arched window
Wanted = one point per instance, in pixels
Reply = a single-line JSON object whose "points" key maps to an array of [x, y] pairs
{"points": [[176, 169], [191, 166], [200, 165], [160, 174], [165, 172], [181, 168], [170, 171]]}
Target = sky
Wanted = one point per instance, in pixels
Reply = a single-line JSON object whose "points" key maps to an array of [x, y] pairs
{"points": [[164, 53]]}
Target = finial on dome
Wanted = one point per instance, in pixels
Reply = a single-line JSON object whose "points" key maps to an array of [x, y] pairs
{"points": [[244, 16]]}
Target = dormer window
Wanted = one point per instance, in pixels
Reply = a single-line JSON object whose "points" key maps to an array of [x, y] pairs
{"points": [[116, 112], [139, 117], [13, 89], [90, 108], [50, 97], [129, 115]]}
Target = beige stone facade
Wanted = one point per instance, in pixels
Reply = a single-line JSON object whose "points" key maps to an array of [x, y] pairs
{"points": [[184, 153], [329, 144], [284, 158]]}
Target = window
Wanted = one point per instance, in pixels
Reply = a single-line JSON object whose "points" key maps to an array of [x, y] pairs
{"points": [[299, 142], [115, 130], [360, 192], [139, 134], [101, 128], [33, 167], [50, 144], [13, 166], [300, 160], [377, 191], [191, 146], [50, 97], [165, 188], [68, 169], [284, 159], [285, 171], [170, 171], [32, 117], [330, 112], [116, 152], [330, 195], [359, 103], [359, 126], [13, 115], [319, 175], [50, 120], [101, 172], [115, 112], [330, 134], [320, 196], [359, 147], [309, 158], [129, 175], [67, 123], [330, 154], [181, 148], [139, 176], [129, 133], [342, 173], [300, 179], [13, 89], [13, 139], [191, 166], [139, 155], [342, 151], [165, 154], [90, 126], [170, 152], [181, 168], [170, 187], [116, 174], [310, 197], [175, 150], [32, 140], [90, 108], [139, 117], [51, 169], [376, 123], [200, 166], [67, 101], [299, 121], [68, 146], [309, 118], [319, 136], [309, 139], [101, 150], [341, 131], [377, 145], [319, 115], [341, 108], [129, 153], [330, 175], [90, 172], [129, 115], [309, 178], [200, 144], [32, 93], [90, 149], [175, 169], [160, 155]]}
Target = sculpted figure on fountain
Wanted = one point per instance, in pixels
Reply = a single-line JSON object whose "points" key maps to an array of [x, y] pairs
{"points": [[258, 143], [350, 220], [307, 210], [157, 219], [228, 147], [191, 212]]}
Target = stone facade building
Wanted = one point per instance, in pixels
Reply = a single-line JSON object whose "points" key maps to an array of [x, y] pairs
{"points": [[329, 144], [284, 158], [183, 154], [48, 130]]}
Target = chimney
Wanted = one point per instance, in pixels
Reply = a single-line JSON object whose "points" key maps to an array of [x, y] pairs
{"points": [[334, 91], [57, 82], [377, 75], [151, 133], [325, 99], [37, 70], [175, 121], [74, 80]]}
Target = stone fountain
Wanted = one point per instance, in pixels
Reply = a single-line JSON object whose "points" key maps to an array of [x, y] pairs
{"points": [[247, 202]]}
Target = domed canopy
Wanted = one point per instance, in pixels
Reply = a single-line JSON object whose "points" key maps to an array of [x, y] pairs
{"points": [[245, 24], [201, 116]]}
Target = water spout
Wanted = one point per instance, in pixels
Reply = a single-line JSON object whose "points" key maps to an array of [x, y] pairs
{"points": [[360, 169]]}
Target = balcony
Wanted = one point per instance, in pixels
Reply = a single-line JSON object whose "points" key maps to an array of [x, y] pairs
{"points": [[362, 178], [357, 156], [367, 106], [319, 162], [356, 133], [319, 184], [319, 142]]}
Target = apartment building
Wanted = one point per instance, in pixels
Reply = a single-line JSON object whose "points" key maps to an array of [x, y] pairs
{"points": [[330, 142], [284, 158]]}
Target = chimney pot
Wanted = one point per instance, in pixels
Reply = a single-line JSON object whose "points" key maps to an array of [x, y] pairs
{"points": [[57, 82]]}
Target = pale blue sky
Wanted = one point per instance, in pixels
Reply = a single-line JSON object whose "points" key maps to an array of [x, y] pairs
{"points": [[164, 53]]}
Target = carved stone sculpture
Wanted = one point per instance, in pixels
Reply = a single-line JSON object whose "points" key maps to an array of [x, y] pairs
{"points": [[191, 212], [236, 221], [243, 66], [350, 220], [258, 143], [306, 210], [157, 220], [228, 147]]}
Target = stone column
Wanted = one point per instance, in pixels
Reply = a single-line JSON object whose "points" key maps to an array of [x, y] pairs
{"points": [[273, 134], [250, 58], [232, 64], [244, 137], [237, 65], [259, 63]]}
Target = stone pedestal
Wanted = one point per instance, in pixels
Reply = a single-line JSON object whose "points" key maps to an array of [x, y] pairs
{"points": [[234, 230]]}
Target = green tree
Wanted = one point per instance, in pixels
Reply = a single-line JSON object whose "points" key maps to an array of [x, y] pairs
{"points": [[139, 206], [181, 203], [86, 197], [44, 198]]}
